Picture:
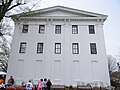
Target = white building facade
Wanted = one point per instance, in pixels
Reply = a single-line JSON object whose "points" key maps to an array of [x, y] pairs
{"points": [[59, 43]]}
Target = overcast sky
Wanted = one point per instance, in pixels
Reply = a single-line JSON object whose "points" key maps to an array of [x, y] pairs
{"points": [[107, 7]]}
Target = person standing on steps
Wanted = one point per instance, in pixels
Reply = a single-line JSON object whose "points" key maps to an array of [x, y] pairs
{"points": [[10, 82], [40, 86], [44, 84], [29, 85], [48, 84]]}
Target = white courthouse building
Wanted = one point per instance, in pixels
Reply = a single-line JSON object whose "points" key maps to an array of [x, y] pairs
{"points": [[59, 43]]}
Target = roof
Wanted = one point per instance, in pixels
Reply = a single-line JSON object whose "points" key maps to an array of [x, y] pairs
{"points": [[68, 10]]}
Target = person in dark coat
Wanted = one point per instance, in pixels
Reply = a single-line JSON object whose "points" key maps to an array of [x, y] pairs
{"points": [[48, 84], [11, 81]]}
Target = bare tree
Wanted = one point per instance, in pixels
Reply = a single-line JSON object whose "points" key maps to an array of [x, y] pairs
{"points": [[5, 42], [112, 64], [10, 7], [4, 58], [7, 5]]}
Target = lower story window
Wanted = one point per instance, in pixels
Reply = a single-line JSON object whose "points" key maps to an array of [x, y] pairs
{"points": [[40, 48], [57, 48], [75, 48], [93, 48], [22, 47]]}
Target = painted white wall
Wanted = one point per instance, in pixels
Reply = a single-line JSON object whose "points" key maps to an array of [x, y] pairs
{"points": [[65, 68]]}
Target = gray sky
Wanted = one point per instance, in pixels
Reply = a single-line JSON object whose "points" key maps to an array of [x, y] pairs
{"points": [[107, 7]]}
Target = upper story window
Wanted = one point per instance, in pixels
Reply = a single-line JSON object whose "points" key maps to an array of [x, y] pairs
{"points": [[58, 29], [91, 29], [57, 48], [75, 48], [41, 29], [40, 48], [74, 29], [22, 47], [25, 29], [93, 48]]}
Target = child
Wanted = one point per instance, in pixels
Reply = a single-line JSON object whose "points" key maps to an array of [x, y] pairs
{"points": [[40, 86]]}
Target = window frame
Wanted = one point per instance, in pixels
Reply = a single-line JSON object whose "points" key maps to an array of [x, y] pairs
{"points": [[74, 29], [40, 47], [75, 48], [57, 29], [93, 48], [41, 29], [22, 47], [57, 48], [25, 28], [91, 29]]}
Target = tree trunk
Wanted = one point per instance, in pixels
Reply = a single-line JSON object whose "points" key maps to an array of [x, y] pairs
{"points": [[1, 15]]}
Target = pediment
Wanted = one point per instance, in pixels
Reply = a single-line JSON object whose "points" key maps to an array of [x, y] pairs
{"points": [[65, 11], [60, 11]]}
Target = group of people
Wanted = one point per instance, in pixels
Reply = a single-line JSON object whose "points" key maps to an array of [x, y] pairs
{"points": [[9, 83], [43, 85]]}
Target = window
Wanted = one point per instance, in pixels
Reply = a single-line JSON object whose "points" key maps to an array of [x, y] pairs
{"points": [[25, 29], [75, 48], [74, 29], [40, 48], [41, 29], [22, 47], [91, 29], [58, 29], [57, 48], [93, 48]]}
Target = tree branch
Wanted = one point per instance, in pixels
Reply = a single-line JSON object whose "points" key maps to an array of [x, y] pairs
{"points": [[14, 6], [9, 3], [2, 2], [34, 5]]}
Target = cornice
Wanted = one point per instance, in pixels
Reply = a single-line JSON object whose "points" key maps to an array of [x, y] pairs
{"points": [[55, 18]]}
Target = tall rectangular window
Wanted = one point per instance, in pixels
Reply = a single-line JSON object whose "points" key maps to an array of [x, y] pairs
{"points": [[75, 48], [91, 29], [58, 29], [25, 29], [41, 29], [74, 29], [57, 48], [40, 48], [93, 48], [22, 47]]}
